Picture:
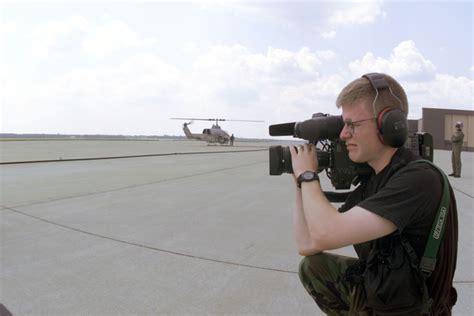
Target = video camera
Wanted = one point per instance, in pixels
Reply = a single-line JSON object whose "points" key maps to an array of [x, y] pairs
{"points": [[332, 154]]}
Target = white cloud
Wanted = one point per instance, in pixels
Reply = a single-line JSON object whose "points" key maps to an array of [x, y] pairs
{"points": [[141, 76], [141, 93], [444, 91], [144, 91], [6, 30], [253, 10], [417, 74], [124, 99], [46, 35], [276, 86], [357, 12], [228, 65], [404, 61], [352, 13], [191, 47], [110, 37], [53, 39], [329, 34], [326, 54]]}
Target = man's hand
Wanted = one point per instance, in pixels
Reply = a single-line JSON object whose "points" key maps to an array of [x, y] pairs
{"points": [[303, 158]]}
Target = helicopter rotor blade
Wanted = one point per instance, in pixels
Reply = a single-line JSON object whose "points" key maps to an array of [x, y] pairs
{"points": [[212, 119], [192, 119], [256, 121]]}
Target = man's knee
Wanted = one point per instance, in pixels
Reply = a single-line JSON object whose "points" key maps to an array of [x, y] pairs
{"points": [[322, 277], [312, 277], [309, 266], [319, 266], [324, 266]]}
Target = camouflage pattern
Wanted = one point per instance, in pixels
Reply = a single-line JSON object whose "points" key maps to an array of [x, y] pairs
{"points": [[322, 276], [457, 141]]}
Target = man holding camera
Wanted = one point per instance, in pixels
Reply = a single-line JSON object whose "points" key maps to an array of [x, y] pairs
{"points": [[387, 218], [456, 141]]}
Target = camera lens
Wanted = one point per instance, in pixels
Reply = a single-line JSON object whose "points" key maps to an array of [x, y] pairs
{"points": [[280, 160]]}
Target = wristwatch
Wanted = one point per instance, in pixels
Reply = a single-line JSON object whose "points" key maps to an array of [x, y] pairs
{"points": [[307, 176]]}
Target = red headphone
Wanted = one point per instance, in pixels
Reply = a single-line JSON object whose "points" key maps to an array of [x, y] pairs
{"points": [[391, 122]]}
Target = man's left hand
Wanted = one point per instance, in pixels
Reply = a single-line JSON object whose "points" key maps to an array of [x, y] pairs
{"points": [[303, 158]]}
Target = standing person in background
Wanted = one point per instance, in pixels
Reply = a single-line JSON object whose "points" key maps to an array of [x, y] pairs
{"points": [[457, 140], [232, 140]]}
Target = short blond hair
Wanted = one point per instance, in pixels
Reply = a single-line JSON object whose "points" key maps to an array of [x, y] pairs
{"points": [[361, 88]]}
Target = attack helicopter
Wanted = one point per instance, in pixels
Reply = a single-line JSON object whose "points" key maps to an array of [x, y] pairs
{"points": [[213, 135]]}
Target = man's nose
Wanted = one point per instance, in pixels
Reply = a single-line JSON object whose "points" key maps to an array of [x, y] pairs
{"points": [[345, 132]]}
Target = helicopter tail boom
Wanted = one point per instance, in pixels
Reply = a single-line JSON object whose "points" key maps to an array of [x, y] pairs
{"points": [[189, 134]]}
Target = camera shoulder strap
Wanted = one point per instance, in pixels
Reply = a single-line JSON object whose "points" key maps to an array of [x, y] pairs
{"points": [[428, 261]]}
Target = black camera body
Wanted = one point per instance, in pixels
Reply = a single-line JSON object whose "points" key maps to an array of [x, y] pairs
{"points": [[332, 155], [333, 158]]}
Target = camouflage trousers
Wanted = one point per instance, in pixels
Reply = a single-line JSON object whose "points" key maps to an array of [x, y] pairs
{"points": [[323, 277]]}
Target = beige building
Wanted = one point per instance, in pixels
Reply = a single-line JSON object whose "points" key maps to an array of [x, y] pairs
{"points": [[440, 124]]}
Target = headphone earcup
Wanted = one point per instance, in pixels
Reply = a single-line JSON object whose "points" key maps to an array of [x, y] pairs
{"points": [[393, 127]]}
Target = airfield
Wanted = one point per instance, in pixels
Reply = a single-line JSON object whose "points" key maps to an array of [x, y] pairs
{"points": [[168, 228]]}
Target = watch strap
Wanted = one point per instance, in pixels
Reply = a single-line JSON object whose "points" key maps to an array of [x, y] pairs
{"points": [[302, 179]]}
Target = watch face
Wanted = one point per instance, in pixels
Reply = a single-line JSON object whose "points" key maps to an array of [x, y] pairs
{"points": [[307, 176]]}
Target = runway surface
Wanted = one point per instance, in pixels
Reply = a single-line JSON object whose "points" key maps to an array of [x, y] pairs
{"points": [[183, 229]]}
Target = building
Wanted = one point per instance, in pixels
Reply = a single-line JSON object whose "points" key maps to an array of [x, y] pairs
{"points": [[440, 124]]}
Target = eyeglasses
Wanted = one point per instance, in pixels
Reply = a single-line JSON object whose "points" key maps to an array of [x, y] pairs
{"points": [[352, 125]]}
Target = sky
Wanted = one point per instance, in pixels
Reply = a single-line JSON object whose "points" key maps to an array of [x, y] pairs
{"points": [[127, 67]]}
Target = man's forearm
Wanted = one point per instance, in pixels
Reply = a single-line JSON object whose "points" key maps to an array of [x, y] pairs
{"points": [[456, 138], [319, 213], [304, 243]]}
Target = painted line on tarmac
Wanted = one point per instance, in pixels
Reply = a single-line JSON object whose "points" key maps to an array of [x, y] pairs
{"points": [[132, 156], [181, 254], [139, 184], [243, 265], [467, 194], [149, 247]]}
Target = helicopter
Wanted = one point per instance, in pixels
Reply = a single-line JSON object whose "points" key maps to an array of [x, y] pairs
{"points": [[213, 135]]}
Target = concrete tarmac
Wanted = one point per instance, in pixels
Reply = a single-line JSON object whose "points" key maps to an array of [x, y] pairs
{"points": [[186, 234]]}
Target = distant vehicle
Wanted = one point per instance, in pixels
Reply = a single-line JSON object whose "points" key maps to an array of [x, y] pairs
{"points": [[213, 135]]}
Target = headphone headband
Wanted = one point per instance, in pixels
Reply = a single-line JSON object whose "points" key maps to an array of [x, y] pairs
{"points": [[391, 121], [377, 80]]}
